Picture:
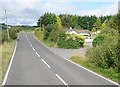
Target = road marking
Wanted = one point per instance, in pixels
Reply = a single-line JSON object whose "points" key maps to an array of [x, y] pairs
{"points": [[37, 54], [92, 72], [46, 63], [26, 37], [33, 49], [61, 80], [30, 44], [79, 65], [6, 75]]}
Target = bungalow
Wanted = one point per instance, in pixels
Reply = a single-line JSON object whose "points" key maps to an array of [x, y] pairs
{"points": [[79, 32]]}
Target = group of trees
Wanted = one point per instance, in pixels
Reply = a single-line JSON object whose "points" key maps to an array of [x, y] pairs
{"points": [[105, 49], [52, 25], [74, 21]]}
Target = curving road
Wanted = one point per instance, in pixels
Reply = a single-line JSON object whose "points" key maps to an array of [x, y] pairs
{"points": [[35, 64]]}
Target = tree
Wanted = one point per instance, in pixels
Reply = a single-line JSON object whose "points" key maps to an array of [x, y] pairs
{"points": [[74, 21], [103, 18], [97, 24], [86, 22], [114, 22], [47, 19], [66, 20], [47, 31], [59, 24]]}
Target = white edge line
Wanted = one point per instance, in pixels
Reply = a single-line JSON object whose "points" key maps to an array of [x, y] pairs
{"points": [[79, 65], [61, 79], [37, 54], [6, 75], [33, 49], [46, 63], [92, 72]]}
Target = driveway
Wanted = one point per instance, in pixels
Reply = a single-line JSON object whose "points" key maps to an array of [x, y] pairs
{"points": [[68, 53]]}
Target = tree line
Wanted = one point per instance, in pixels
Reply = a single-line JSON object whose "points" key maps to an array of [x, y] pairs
{"points": [[74, 21]]}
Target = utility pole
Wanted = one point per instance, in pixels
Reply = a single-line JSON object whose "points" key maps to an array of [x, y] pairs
{"points": [[7, 24], [119, 6]]}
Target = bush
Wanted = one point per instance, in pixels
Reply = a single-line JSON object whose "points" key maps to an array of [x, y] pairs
{"points": [[99, 40], [4, 36], [47, 31], [61, 42], [104, 34], [39, 33], [71, 42], [104, 55], [13, 34], [54, 33]]}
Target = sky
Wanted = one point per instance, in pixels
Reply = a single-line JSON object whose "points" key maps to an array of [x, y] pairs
{"points": [[27, 12]]}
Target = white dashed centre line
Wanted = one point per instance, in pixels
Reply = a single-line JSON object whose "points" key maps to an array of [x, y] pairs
{"points": [[31, 45], [46, 63], [62, 80], [37, 54], [33, 49]]}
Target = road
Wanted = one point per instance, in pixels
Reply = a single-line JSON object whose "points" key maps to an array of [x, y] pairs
{"points": [[34, 64]]}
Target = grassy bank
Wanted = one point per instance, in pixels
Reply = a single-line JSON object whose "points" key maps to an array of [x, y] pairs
{"points": [[6, 51], [39, 34], [108, 73]]}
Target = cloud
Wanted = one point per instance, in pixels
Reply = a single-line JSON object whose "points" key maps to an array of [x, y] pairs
{"points": [[105, 10], [28, 11]]}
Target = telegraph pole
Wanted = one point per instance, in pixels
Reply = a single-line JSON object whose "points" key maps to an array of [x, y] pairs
{"points": [[7, 24]]}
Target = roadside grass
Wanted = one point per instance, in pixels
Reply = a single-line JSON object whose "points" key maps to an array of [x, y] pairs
{"points": [[6, 54], [40, 34], [108, 73], [0, 64]]}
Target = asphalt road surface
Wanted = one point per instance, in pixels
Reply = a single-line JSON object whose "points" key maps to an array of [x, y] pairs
{"points": [[34, 64]]}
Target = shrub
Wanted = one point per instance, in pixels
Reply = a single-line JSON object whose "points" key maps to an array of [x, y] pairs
{"points": [[54, 33], [13, 33], [71, 42], [39, 33], [61, 42], [4, 36], [99, 39], [47, 31], [105, 54]]}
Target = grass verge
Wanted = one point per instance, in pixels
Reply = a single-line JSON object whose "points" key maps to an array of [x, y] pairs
{"points": [[6, 51], [108, 73]]}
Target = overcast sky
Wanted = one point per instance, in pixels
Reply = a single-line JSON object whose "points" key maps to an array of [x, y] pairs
{"points": [[27, 12]]}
